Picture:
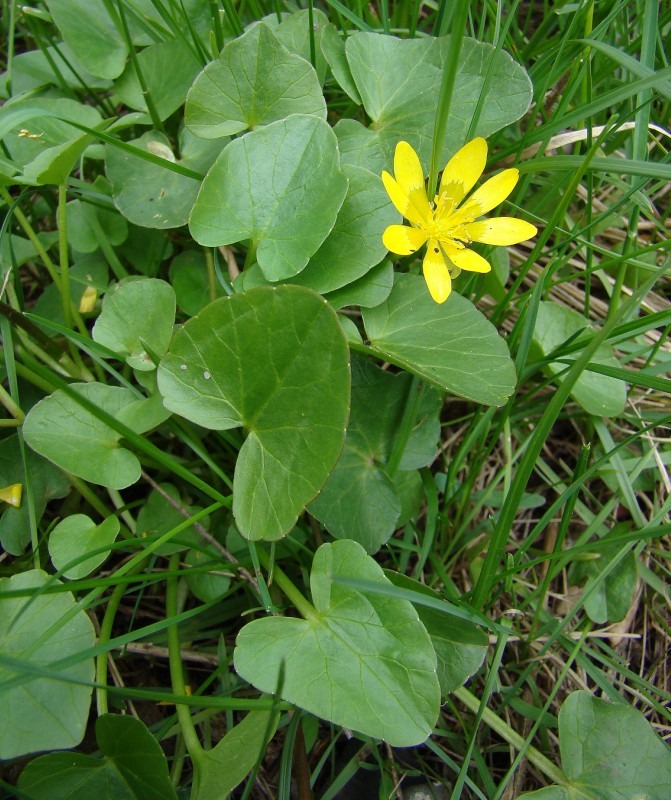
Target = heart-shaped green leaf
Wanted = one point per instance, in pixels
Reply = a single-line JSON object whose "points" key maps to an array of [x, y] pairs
{"points": [[191, 281], [221, 769], [91, 33], [452, 345], [333, 48], [46, 481], [600, 395], [612, 598], [40, 712], [168, 69], [151, 195], [255, 81], [86, 220], [280, 186], [460, 645], [77, 535], [359, 500], [47, 147], [608, 752], [364, 661], [275, 361], [136, 321], [371, 290], [399, 82], [354, 246], [133, 767], [73, 438], [160, 514], [297, 30]]}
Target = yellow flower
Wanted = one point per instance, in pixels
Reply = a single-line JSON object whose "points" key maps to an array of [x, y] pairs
{"points": [[448, 225], [12, 494]]}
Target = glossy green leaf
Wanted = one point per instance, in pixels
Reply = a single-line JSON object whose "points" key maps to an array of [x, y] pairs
{"points": [[410, 492], [46, 147], [40, 712], [189, 278], [333, 48], [275, 361], [255, 81], [70, 436], [451, 345], [281, 187], [597, 394], [221, 769], [34, 68], [133, 767], [611, 600], [206, 586], [77, 535], [160, 514], [89, 30], [168, 69], [360, 146], [609, 752], [295, 32], [354, 246], [137, 320], [144, 413], [359, 500], [88, 273], [150, 195], [399, 82], [460, 645], [84, 222], [371, 290], [47, 482], [364, 662]]}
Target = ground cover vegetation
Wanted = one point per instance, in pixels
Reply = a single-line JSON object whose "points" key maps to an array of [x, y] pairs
{"points": [[335, 424]]}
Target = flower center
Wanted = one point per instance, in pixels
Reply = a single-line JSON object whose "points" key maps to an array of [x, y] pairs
{"points": [[447, 224]]}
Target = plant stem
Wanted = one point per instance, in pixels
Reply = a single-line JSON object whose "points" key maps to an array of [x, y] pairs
{"points": [[32, 238], [8, 402], [513, 738], [63, 256], [189, 734], [457, 29], [105, 634], [405, 427], [305, 609], [211, 275], [146, 93]]}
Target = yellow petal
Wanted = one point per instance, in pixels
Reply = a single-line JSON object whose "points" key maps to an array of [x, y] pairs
{"points": [[402, 240], [491, 193], [503, 231], [413, 204], [464, 169], [12, 494], [470, 260], [88, 301], [407, 169], [436, 274]]}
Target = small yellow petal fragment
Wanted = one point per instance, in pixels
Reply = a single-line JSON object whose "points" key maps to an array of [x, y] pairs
{"points": [[88, 301], [502, 231], [491, 193], [12, 494], [436, 274], [463, 169], [470, 260], [402, 240]]}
